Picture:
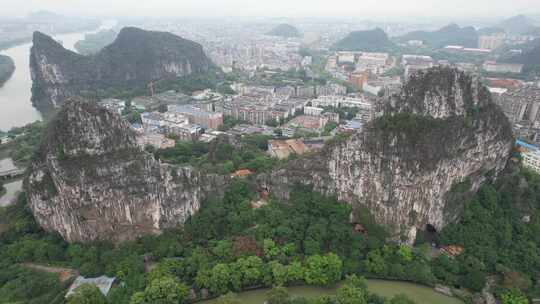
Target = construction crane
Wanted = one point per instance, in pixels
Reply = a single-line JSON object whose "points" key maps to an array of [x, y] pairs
{"points": [[151, 87]]}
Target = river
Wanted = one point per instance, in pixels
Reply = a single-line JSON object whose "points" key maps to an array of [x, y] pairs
{"points": [[420, 294], [15, 96]]}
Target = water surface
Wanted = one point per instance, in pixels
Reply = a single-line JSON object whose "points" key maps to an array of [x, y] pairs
{"points": [[16, 108]]}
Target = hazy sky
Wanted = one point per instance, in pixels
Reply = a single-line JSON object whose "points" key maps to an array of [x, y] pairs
{"points": [[279, 8]]}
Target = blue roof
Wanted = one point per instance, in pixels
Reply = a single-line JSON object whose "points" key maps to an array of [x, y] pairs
{"points": [[353, 124], [527, 145]]}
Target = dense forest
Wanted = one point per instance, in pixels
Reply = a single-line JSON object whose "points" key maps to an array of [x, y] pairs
{"points": [[230, 246]]}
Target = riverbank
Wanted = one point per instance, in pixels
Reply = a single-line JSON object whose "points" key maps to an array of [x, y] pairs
{"points": [[16, 108], [7, 68]]}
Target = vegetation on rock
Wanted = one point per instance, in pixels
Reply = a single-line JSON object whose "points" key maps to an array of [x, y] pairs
{"points": [[374, 40], [7, 67], [93, 43], [449, 35], [285, 30]]}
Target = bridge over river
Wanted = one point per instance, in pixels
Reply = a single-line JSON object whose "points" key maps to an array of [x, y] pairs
{"points": [[12, 173]]}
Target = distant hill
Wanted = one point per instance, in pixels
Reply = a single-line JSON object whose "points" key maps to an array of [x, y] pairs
{"points": [[530, 55], [519, 24], [374, 40], [449, 35], [285, 30], [491, 30], [93, 43], [7, 67], [136, 58]]}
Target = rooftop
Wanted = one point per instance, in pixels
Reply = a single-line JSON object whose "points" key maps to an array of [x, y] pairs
{"points": [[104, 284]]}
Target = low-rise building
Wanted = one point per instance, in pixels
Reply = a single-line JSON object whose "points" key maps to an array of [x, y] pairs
{"points": [[373, 87], [414, 63], [313, 111], [351, 126], [346, 57], [492, 41], [205, 119], [358, 79], [531, 160], [376, 63], [157, 140], [330, 89], [189, 132], [495, 67], [114, 105], [520, 105]]}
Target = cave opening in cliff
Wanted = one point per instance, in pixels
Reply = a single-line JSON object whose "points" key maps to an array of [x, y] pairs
{"points": [[430, 235]]}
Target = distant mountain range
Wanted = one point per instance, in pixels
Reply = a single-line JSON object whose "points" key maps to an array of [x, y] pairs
{"points": [[94, 43], [451, 34], [374, 40], [44, 16], [519, 25], [285, 30]]}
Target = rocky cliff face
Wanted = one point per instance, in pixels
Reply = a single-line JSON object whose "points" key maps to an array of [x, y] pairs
{"points": [[439, 139], [133, 60], [91, 181], [441, 133]]}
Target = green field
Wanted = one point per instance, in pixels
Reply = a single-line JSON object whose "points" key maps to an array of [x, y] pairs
{"points": [[420, 294]]}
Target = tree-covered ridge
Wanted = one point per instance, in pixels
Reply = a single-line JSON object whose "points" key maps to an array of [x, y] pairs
{"points": [[135, 59], [93, 43], [500, 230], [449, 35], [285, 30], [7, 67], [518, 25], [222, 156], [374, 40], [230, 246]]}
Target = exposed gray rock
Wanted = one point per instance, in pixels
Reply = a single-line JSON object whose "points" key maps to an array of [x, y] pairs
{"points": [[441, 134], [442, 130], [91, 181]]}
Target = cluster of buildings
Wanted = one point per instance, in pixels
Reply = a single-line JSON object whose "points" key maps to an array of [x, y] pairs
{"points": [[364, 70], [258, 52], [262, 104], [342, 64], [522, 107], [184, 122]]}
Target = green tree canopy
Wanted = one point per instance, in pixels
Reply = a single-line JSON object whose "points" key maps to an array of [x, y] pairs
{"points": [[87, 294]]}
